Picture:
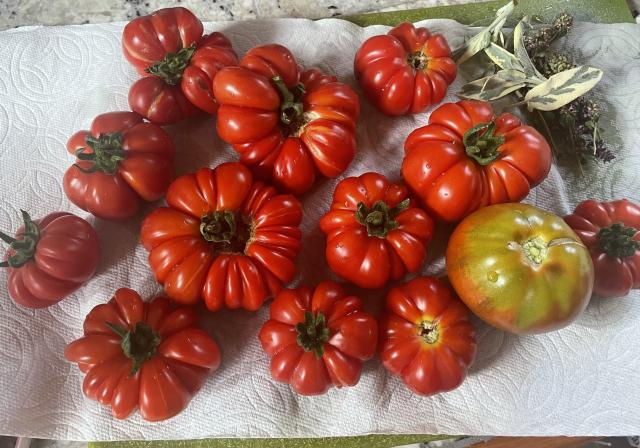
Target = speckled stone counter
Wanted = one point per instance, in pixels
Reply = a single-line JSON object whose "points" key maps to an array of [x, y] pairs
{"points": [[63, 12]]}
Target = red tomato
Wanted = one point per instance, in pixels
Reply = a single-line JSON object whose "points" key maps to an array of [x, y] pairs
{"points": [[426, 337], [611, 231], [467, 158], [121, 161], [179, 64], [151, 356], [405, 71], [317, 338], [286, 125], [223, 238], [374, 232], [50, 258]]}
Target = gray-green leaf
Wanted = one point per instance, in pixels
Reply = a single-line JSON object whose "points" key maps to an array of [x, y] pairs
{"points": [[520, 52], [495, 86], [562, 88], [502, 58], [482, 40]]}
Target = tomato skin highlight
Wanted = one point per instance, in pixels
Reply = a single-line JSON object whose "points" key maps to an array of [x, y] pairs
{"points": [[287, 124], [332, 354], [453, 178], [254, 238], [175, 356], [520, 268], [405, 71], [370, 256], [182, 87], [426, 337], [616, 274]]}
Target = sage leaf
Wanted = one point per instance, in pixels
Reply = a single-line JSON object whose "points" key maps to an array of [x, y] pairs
{"points": [[495, 86], [520, 52], [483, 39], [562, 88], [502, 58]]}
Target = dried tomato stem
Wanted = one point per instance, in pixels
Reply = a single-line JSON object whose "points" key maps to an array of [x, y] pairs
{"points": [[25, 248], [482, 144], [379, 219], [429, 331], [170, 69], [617, 240], [106, 153], [418, 60], [312, 333]]}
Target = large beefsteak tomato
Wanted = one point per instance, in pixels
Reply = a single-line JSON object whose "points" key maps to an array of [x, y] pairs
{"points": [[223, 238], [406, 70], [50, 258], [426, 337], [467, 158], [121, 161], [519, 268], [318, 337], [611, 231], [177, 62], [286, 125], [374, 232], [151, 356]]}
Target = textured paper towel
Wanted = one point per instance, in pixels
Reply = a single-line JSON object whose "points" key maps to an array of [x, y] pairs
{"points": [[53, 81]]}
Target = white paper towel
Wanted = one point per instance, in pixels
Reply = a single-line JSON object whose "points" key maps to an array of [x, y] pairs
{"points": [[53, 81]]}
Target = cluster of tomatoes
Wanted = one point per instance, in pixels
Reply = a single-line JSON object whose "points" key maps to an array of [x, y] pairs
{"points": [[229, 236]]}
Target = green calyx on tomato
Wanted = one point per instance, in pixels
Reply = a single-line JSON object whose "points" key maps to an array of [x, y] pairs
{"points": [[312, 333], [106, 153], [379, 219], [224, 229], [617, 240], [25, 248], [291, 109], [417, 61], [482, 144], [137, 345], [429, 331], [171, 67]]}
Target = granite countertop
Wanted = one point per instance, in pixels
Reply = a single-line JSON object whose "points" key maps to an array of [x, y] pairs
{"points": [[62, 12]]}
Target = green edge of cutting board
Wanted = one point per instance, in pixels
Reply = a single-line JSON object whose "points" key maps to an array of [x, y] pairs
{"points": [[370, 441], [603, 11]]}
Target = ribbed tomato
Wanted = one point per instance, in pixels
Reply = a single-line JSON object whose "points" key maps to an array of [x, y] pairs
{"points": [[177, 62], [287, 125], [406, 70], [50, 258], [151, 356], [611, 231], [223, 238], [467, 158], [375, 233], [122, 160], [426, 337], [318, 338]]}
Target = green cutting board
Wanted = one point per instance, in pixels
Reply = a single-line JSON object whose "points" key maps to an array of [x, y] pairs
{"points": [[604, 11]]}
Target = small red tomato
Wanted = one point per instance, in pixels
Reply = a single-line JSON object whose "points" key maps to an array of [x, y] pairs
{"points": [[406, 70], [151, 356], [317, 338], [426, 337], [467, 158], [50, 258], [179, 64], [223, 238], [374, 232], [121, 161], [287, 125], [611, 231]]}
